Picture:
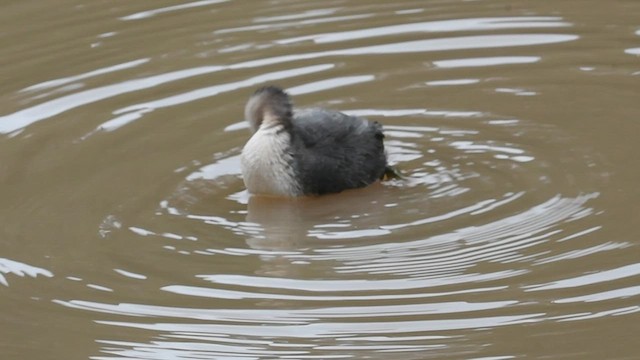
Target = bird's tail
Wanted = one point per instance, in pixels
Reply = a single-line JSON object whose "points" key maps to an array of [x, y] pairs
{"points": [[390, 173]]}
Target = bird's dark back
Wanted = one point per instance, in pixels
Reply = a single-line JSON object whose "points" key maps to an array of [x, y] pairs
{"points": [[334, 151]]}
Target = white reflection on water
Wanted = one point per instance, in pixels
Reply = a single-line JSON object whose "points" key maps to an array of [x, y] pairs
{"points": [[130, 274], [87, 75], [264, 282], [225, 166], [297, 23], [296, 16], [25, 117], [599, 314], [8, 266], [154, 12], [329, 84], [429, 45], [590, 279], [287, 316], [473, 24], [221, 329], [603, 296], [332, 329], [486, 61], [452, 82], [215, 293]]}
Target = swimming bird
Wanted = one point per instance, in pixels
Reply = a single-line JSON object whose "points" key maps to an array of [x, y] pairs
{"points": [[308, 151]]}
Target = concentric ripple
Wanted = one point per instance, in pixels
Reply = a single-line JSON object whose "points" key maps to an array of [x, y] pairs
{"points": [[376, 270]]}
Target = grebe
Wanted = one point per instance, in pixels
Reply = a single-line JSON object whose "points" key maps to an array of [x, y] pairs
{"points": [[308, 151]]}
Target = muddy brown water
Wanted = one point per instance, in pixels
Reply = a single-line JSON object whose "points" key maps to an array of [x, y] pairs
{"points": [[126, 232]]}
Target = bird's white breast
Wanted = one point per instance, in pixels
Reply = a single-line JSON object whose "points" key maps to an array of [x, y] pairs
{"points": [[266, 163]]}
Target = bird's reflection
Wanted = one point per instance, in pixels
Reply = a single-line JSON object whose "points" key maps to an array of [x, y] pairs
{"points": [[294, 223], [294, 227]]}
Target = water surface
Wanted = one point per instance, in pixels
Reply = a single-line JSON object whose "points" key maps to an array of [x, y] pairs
{"points": [[127, 233]]}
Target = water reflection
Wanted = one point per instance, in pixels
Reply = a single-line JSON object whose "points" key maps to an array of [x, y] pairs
{"points": [[486, 61], [154, 12], [25, 117], [308, 331], [429, 45], [8, 266], [477, 24]]}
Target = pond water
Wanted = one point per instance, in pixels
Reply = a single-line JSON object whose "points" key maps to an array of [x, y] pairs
{"points": [[126, 231]]}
